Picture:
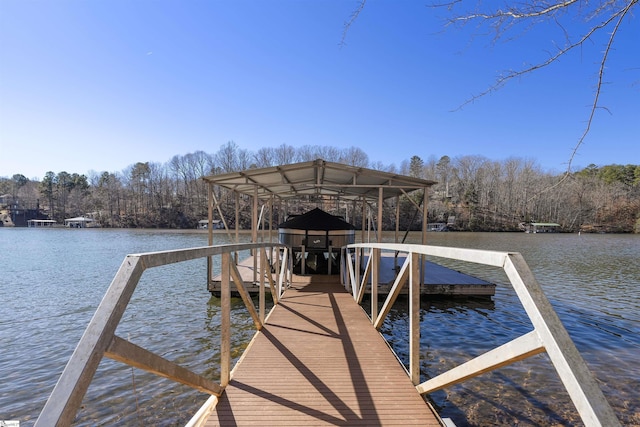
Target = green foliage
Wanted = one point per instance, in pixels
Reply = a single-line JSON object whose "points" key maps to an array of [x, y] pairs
{"points": [[416, 166], [5, 186], [628, 175]]}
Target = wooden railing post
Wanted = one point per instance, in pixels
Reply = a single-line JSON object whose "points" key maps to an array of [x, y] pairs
{"points": [[375, 278], [357, 268], [414, 318], [261, 295], [225, 321]]}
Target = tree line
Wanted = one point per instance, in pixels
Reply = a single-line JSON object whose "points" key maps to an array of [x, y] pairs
{"points": [[472, 192]]}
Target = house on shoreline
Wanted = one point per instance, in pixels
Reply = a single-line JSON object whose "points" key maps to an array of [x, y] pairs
{"points": [[542, 227]]}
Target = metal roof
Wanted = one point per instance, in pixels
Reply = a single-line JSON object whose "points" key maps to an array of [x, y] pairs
{"points": [[318, 177]]}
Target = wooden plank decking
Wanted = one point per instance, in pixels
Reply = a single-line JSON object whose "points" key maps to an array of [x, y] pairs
{"points": [[319, 361]]}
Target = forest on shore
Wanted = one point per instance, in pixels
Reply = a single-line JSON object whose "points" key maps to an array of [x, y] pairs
{"points": [[473, 193]]}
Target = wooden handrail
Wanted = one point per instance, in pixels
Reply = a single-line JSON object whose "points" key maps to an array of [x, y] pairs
{"points": [[99, 339], [548, 334]]}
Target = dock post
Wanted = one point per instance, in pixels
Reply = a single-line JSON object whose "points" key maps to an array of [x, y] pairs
{"points": [[225, 321]]}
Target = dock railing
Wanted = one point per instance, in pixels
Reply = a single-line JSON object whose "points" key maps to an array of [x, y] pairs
{"points": [[99, 339], [548, 333]]}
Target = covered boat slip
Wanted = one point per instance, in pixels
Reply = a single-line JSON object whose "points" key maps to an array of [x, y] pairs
{"points": [[318, 361], [331, 185], [316, 248]]}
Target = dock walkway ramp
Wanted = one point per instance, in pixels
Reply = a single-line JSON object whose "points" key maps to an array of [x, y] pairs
{"points": [[319, 361]]}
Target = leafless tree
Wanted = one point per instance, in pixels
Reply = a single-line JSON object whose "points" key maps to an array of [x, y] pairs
{"points": [[227, 157], [264, 157], [355, 157], [285, 154]]}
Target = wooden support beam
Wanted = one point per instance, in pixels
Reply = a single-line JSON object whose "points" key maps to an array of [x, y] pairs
{"points": [[362, 284], [401, 279], [283, 272], [272, 286], [244, 294], [375, 279], [518, 349], [123, 351]]}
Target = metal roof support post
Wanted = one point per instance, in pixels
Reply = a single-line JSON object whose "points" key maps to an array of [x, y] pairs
{"points": [[210, 232], [364, 219], [210, 214], [354, 210], [285, 212], [254, 216], [364, 234], [397, 235], [237, 200], [271, 219], [425, 195], [380, 201], [254, 231]]}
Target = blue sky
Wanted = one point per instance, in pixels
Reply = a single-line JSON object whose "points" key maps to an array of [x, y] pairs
{"points": [[100, 85]]}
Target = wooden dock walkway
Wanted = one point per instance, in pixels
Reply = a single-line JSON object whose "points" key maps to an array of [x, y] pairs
{"points": [[319, 361]]}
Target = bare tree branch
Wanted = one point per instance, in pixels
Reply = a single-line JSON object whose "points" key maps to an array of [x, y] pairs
{"points": [[603, 63], [533, 11], [351, 20], [501, 81], [530, 11]]}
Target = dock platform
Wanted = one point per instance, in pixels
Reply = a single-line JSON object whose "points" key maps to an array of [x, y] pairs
{"points": [[438, 280], [319, 361]]}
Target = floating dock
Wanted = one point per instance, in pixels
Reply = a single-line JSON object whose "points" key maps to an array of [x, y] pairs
{"points": [[438, 280], [318, 361]]}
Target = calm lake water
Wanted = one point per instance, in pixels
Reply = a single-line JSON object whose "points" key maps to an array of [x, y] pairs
{"points": [[52, 281]]}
